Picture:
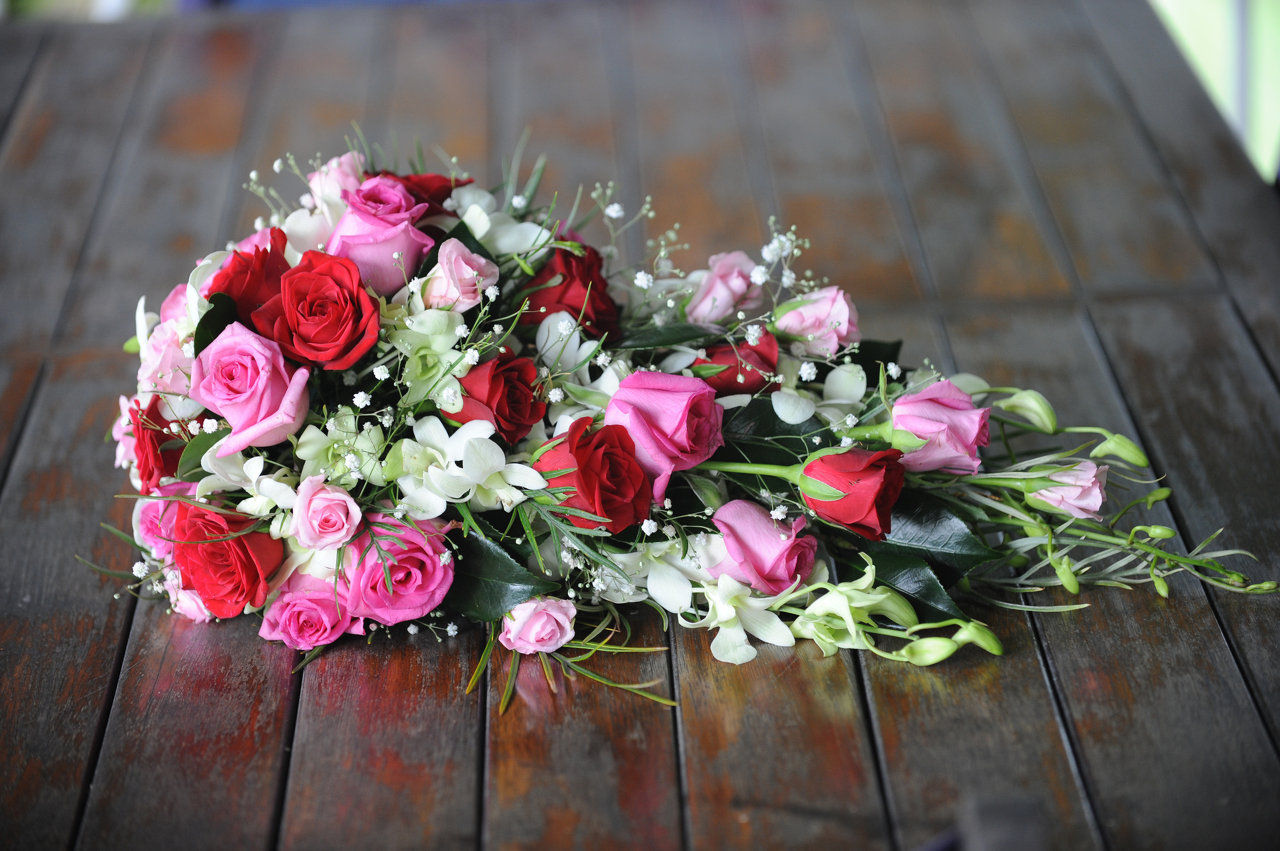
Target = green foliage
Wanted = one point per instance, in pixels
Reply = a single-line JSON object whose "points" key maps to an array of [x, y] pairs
{"points": [[488, 582]]}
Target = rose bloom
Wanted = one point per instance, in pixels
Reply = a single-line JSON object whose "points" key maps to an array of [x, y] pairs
{"points": [[430, 189], [540, 625], [767, 554], [723, 289], [603, 475], [1080, 492], [308, 613], [581, 292], [945, 418], [870, 482], [459, 278], [752, 363], [378, 225], [821, 322], [156, 451], [324, 516], [251, 277], [322, 314], [501, 391], [673, 419], [153, 518], [164, 367], [226, 565], [185, 603], [418, 559], [244, 378]]}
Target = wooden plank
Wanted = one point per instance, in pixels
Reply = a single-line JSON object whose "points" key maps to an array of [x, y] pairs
{"points": [[824, 171], [1121, 220], [1136, 672], [62, 628], [956, 151], [1237, 212], [18, 48]]}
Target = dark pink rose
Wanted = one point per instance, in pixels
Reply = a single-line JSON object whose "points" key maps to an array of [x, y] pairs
{"points": [[308, 613], [377, 233], [418, 559], [767, 554]]}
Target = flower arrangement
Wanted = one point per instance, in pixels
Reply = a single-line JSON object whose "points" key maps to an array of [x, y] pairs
{"points": [[409, 400]]}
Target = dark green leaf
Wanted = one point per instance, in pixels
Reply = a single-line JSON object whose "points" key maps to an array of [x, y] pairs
{"points": [[926, 527], [707, 370], [488, 583], [683, 334], [754, 432], [221, 313], [189, 469], [912, 577]]}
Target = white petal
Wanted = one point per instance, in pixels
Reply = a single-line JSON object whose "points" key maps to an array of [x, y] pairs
{"points": [[669, 588], [524, 477], [731, 645], [766, 626], [847, 382], [791, 408]]}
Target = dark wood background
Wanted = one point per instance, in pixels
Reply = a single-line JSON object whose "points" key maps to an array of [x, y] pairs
{"points": [[1036, 191]]}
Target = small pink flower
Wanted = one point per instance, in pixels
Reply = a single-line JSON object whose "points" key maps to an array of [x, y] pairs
{"points": [[459, 278], [723, 289], [1081, 492], [945, 418], [185, 601], [244, 378], [540, 625], [418, 560], [324, 516], [377, 233], [820, 323], [673, 419], [767, 554], [308, 613]]}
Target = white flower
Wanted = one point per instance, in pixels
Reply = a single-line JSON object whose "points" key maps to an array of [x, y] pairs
{"points": [[759, 275], [649, 526], [361, 399], [381, 373], [614, 210], [895, 371], [779, 513], [472, 356], [735, 612], [754, 333], [555, 395], [643, 280], [519, 202], [808, 371]]}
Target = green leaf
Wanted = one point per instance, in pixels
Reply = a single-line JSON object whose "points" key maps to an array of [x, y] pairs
{"points": [[671, 335], [912, 577], [757, 435], [221, 313], [488, 582], [189, 469], [926, 527], [707, 370]]}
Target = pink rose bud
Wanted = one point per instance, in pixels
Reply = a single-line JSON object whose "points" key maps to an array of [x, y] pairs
{"points": [[673, 419], [377, 233], [767, 554], [945, 418], [1081, 492], [420, 564], [325, 516], [185, 601], [723, 289], [459, 278], [540, 625], [819, 323], [308, 613], [244, 378], [338, 175]]}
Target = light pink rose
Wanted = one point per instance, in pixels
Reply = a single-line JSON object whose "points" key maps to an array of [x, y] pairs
{"points": [[338, 175], [819, 323], [174, 305], [378, 224], [767, 554], [1081, 492], [153, 518], [945, 418], [308, 613], [725, 289], [673, 419], [183, 600], [459, 278], [540, 625], [420, 563], [122, 434], [325, 516], [244, 378], [164, 367]]}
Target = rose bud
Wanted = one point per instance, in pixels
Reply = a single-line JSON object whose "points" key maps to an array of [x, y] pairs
{"points": [[501, 391], [945, 418], [767, 554], [581, 292], [863, 487], [540, 625]]}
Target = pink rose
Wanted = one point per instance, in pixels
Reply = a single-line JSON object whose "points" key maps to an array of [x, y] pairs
{"points": [[122, 434], [338, 175], [185, 601], [945, 418], [723, 289], [164, 368], [308, 613], [174, 305], [459, 278], [540, 625], [1081, 492], [244, 378], [767, 554], [820, 323], [325, 516], [378, 225], [673, 419], [153, 519], [420, 564]]}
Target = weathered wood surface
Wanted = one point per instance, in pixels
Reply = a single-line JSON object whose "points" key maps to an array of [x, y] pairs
{"points": [[986, 177]]}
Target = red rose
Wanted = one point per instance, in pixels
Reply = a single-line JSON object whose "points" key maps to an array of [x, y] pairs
{"points": [[870, 482], [227, 566], [605, 477], [501, 391], [150, 434], [750, 362], [429, 189], [322, 315], [252, 279], [581, 292]]}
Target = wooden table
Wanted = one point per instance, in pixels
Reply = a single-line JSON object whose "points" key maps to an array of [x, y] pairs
{"points": [[1035, 191]]}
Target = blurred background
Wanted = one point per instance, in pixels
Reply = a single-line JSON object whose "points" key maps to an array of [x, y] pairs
{"points": [[1233, 45]]}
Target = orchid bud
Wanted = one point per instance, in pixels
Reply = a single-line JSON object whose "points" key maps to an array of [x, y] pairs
{"points": [[1119, 446], [1033, 407], [929, 650], [977, 633]]}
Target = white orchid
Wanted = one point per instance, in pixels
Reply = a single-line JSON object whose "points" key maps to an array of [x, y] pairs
{"points": [[736, 613]]}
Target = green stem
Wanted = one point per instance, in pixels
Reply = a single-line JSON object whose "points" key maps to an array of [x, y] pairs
{"points": [[791, 474]]}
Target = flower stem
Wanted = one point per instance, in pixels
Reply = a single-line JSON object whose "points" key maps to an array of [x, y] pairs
{"points": [[791, 474]]}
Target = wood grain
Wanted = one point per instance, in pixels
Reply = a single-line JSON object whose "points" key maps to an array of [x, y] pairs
{"points": [[19, 46]]}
